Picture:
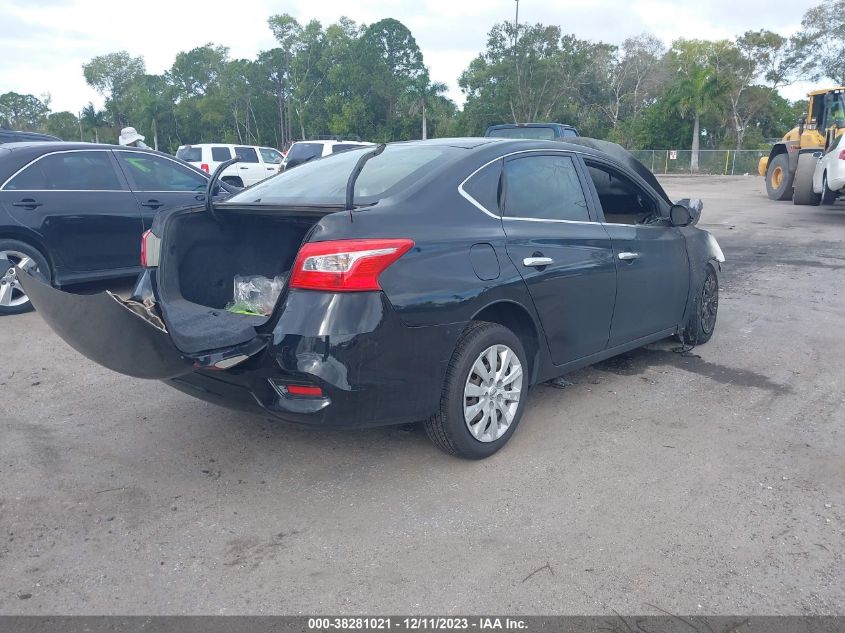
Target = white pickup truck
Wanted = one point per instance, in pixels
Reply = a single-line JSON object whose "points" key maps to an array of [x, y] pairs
{"points": [[256, 164]]}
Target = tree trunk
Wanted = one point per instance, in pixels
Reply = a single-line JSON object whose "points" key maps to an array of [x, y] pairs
{"points": [[155, 135], [424, 127], [693, 164]]}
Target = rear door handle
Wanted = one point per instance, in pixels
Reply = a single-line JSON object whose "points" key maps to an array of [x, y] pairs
{"points": [[243, 167], [536, 262], [27, 203], [627, 257], [152, 204]]}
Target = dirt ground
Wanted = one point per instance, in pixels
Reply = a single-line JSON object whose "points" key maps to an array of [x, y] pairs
{"points": [[707, 483]]}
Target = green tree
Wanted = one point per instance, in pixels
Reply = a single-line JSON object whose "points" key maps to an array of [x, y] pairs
{"points": [[111, 75], [697, 89], [821, 42], [94, 120], [22, 112], [65, 125]]}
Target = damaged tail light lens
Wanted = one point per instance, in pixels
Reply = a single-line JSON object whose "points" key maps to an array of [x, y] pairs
{"points": [[345, 265], [842, 155], [150, 249]]}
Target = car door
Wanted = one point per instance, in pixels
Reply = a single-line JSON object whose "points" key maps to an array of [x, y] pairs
{"points": [[159, 183], [79, 202], [564, 255], [250, 166], [650, 255], [271, 159]]}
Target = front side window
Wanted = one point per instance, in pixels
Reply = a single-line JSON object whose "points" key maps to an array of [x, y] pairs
{"points": [[270, 156], [544, 187], [247, 154], [622, 200], [220, 154], [154, 173], [68, 171]]}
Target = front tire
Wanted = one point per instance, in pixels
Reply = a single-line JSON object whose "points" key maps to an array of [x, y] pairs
{"points": [[828, 195], [484, 393], [13, 299], [803, 184], [702, 322], [779, 178]]}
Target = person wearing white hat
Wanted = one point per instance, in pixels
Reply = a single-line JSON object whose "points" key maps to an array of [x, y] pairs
{"points": [[129, 136]]}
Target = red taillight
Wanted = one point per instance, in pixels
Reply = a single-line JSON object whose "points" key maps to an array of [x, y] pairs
{"points": [[345, 265], [204, 167], [150, 249], [302, 390], [842, 155]]}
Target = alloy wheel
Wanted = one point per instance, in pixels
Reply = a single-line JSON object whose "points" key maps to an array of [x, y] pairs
{"points": [[11, 292], [492, 392], [709, 303]]}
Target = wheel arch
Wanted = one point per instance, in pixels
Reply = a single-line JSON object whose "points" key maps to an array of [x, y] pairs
{"points": [[31, 239], [521, 322]]}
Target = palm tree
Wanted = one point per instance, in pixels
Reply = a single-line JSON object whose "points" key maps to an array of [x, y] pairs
{"points": [[697, 90], [422, 98], [94, 120]]}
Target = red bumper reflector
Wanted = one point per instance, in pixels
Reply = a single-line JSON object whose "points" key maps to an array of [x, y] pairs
{"points": [[302, 390]]}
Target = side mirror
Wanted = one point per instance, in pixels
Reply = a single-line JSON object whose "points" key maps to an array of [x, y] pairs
{"points": [[685, 212], [679, 215]]}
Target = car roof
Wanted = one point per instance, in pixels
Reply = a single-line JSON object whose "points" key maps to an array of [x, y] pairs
{"points": [[506, 126]]}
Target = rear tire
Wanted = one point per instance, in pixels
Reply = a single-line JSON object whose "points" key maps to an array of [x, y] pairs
{"points": [[828, 195], [803, 183], [483, 395], [779, 178], [13, 300], [702, 322]]}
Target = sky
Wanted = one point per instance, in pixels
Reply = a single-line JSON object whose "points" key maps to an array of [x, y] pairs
{"points": [[43, 43]]}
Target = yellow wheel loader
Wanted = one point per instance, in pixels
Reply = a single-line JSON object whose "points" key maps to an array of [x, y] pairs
{"points": [[789, 168]]}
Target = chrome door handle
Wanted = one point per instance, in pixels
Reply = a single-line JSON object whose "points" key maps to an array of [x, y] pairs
{"points": [[532, 262], [626, 257]]}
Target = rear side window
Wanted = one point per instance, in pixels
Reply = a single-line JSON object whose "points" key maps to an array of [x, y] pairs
{"points": [[220, 154], [568, 132], [68, 171], [544, 187], [189, 154], [154, 173], [303, 152], [247, 154], [485, 186]]}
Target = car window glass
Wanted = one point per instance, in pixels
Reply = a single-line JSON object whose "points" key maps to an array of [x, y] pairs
{"points": [[189, 154], [622, 200], [247, 154], [69, 171], [343, 147], [324, 181], [270, 156], [154, 173], [544, 187], [303, 152], [484, 186], [220, 154], [545, 133]]}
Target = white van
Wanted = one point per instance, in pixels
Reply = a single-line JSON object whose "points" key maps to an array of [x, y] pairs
{"points": [[256, 164]]}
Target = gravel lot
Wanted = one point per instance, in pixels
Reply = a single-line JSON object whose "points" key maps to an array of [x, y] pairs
{"points": [[708, 483]]}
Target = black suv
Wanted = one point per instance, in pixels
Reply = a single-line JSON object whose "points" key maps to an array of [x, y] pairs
{"points": [[9, 136], [539, 131]]}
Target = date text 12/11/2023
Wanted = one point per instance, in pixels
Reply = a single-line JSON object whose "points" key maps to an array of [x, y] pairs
{"points": [[430, 623]]}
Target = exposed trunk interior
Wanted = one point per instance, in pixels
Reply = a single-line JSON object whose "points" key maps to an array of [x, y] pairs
{"points": [[199, 260]]}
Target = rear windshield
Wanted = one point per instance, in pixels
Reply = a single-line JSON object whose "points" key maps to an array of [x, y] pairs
{"points": [[305, 151], [544, 133], [189, 154], [324, 181], [344, 147]]}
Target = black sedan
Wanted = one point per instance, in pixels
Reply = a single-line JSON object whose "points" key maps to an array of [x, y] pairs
{"points": [[432, 280], [74, 212]]}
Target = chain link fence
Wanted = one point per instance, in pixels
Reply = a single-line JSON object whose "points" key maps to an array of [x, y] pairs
{"points": [[717, 162]]}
